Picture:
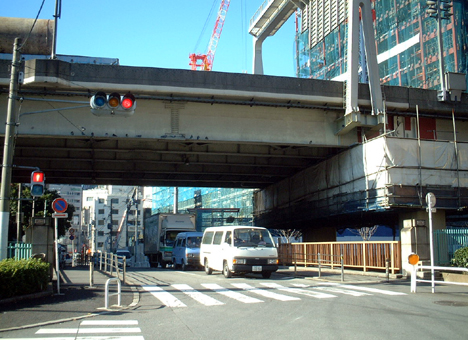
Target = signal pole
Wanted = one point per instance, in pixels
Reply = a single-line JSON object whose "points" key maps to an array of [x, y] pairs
{"points": [[8, 150]]}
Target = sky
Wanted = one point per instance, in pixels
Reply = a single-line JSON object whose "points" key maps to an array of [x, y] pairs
{"points": [[160, 33]]}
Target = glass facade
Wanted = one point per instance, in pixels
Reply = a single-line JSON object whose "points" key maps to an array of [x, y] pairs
{"points": [[213, 206], [406, 41]]}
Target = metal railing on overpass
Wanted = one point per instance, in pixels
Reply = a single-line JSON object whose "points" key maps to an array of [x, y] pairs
{"points": [[366, 256]]}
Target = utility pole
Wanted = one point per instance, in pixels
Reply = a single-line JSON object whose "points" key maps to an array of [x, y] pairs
{"points": [[8, 151]]}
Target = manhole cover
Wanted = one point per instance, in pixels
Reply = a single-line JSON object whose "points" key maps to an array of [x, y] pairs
{"points": [[452, 303]]}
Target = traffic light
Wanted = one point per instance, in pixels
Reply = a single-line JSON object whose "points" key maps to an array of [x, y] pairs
{"points": [[37, 183], [114, 104]]}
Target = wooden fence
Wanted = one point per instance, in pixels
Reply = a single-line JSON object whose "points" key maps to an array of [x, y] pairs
{"points": [[365, 256]]}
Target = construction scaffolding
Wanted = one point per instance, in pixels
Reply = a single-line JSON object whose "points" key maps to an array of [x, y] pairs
{"points": [[376, 176], [406, 41]]}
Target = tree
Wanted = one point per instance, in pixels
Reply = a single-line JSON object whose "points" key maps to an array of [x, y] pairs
{"points": [[286, 235], [42, 207], [365, 232]]}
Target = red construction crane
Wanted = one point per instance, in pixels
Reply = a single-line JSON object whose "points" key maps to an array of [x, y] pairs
{"points": [[204, 62]]}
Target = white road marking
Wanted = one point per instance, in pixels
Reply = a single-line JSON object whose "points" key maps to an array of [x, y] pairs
{"points": [[109, 322], [196, 295], [166, 298], [87, 330], [333, 289], [310, 293], [265, 293], [231, 294]]}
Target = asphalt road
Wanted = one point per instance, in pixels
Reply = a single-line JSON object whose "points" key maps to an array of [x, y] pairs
{"points": [[192, 305]]}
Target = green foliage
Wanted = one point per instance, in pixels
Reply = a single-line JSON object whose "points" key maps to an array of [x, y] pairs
{"points": [[460, 258], [43, 205], [19, 277]]}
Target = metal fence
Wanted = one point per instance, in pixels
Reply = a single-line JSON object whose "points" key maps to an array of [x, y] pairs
{"points": [[19, 250], [446, 242], [365, 256]]}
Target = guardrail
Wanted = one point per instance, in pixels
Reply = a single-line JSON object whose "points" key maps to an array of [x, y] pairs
{"points": [[323, 260], [414, 278], [379, 256], [111, 264]]}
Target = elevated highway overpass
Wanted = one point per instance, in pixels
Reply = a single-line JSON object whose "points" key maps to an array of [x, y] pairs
{"points": [[189, 128], [281, 135]]}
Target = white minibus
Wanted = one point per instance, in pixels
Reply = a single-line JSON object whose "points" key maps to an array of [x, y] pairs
{"points": [[238, 249]]}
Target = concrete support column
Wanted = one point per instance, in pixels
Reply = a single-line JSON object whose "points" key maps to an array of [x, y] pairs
{"points": [[257, 56], [414, 235]]}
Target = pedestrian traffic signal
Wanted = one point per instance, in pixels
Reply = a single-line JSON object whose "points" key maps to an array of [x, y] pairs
{"points": [[37, 183], [113, 104]]}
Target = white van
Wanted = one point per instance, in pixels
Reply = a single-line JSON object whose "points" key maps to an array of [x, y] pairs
{"points": [[238, 249], [186, 250]]}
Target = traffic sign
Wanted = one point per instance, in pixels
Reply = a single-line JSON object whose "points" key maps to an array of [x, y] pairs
{"points": [[60, 215], [59, 205]]}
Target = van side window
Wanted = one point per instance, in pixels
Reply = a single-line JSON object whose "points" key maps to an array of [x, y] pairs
{"points": [[208, 237], [182, 242], [177, 243], [218, 237], [228, 238]]}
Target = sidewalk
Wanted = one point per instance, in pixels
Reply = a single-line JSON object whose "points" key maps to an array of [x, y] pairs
{"points": [[77, 300]]}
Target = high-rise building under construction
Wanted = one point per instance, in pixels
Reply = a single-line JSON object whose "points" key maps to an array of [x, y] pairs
{"points": [[406, 41]]}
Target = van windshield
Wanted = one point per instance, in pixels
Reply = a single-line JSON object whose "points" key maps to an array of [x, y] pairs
{"points": [[194, 241], [252, 237]]}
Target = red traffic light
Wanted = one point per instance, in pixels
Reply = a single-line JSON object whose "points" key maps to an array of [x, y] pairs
{"points": [[128, 101], [37, 183], [114, 104], [37, 177]]}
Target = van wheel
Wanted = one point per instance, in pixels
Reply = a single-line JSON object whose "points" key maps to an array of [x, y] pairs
{"points": [[226, 271], [183, 266], [208, 270], [266, 275]]}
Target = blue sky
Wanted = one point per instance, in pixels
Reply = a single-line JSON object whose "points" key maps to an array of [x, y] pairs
{"points": [[160, 33]]}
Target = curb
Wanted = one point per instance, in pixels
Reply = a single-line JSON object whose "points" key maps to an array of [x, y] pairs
{"points": [[132, 305]]}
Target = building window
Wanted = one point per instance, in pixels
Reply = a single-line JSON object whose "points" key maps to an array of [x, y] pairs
{"points": [[100, 233], [100, 222], [101, 211], [114, 201], [101, 200]]}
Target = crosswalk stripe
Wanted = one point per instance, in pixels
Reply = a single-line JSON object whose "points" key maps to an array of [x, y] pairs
{"points": [[196, 295], [87, 330], [109, 322], [265, 293], [166, 298], [372, 290], [333, 289], [112, 337], [231, 294], [317, 295]]}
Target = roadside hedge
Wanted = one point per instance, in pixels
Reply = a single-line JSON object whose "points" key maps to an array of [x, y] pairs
{"points": [[460, 258], [19, 277]]}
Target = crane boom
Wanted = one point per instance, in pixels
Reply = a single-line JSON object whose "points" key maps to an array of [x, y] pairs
{"points": [[205, 61]]}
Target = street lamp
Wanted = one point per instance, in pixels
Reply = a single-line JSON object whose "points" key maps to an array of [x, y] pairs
{"points": [[439, 10]]}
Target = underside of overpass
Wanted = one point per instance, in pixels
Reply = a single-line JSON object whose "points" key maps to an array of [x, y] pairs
{"points": [[209, 129]]}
